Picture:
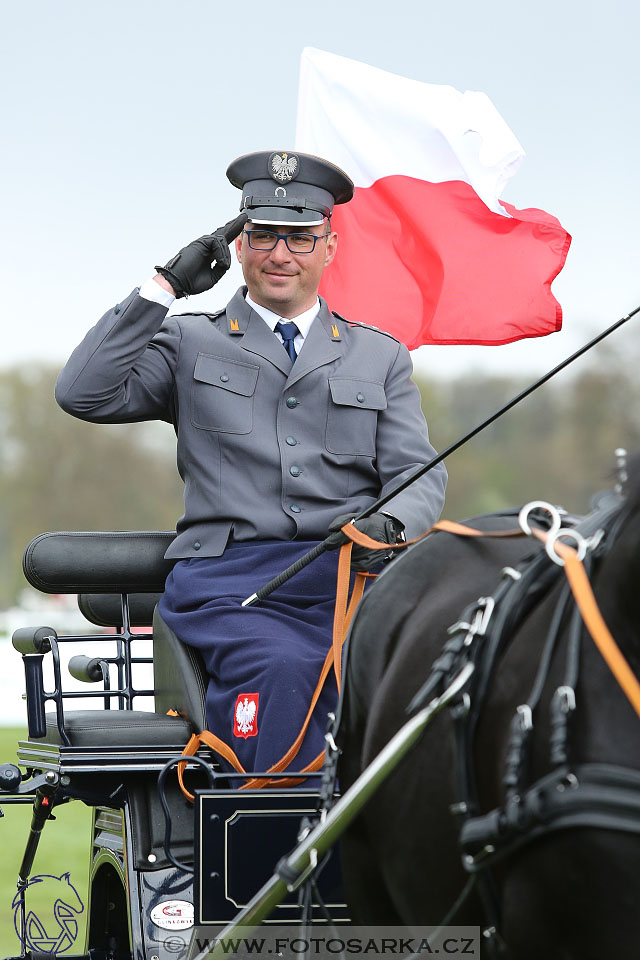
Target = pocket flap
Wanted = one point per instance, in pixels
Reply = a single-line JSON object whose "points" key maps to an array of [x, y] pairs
{"points": [[364, 394], [230, 375]]}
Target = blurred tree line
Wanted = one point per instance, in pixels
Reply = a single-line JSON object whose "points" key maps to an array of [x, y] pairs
{"points": [[556, 445], [58, 473]]}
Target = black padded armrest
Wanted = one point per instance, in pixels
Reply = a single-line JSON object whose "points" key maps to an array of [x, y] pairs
{"points": [[127, 561]]}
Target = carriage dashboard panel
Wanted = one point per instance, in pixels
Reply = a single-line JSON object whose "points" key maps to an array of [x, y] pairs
{"points": [[240, 837]]}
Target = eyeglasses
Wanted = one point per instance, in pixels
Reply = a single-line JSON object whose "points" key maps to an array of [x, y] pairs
{"points": [[296, 242]]}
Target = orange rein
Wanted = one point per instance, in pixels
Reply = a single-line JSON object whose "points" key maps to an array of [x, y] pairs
{"points": [[594, 621]]}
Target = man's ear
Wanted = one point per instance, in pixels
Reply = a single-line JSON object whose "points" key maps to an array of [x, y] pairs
{"points": [[238, 243], [332, 247]]}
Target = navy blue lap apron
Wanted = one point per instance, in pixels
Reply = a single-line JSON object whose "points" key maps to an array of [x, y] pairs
{"points": [[263, 661]]}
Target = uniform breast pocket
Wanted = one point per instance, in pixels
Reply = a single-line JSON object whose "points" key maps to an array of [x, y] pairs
{"points": [[352, 418], [222, 394]]}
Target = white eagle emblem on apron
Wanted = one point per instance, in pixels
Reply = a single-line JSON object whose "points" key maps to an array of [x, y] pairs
{"points": [[245, 714]]}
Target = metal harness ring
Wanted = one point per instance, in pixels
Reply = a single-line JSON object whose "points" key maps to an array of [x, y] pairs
{"points": [[552, 537], [523, 516]]}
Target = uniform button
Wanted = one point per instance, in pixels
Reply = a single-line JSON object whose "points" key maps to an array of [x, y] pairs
{"points": [[197, 545], [292, 402], [295, 471], [295, 508], [291, 441], [225, 377], [360, 398], [116, 309]]}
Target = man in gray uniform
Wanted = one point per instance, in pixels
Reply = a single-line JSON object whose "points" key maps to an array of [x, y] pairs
{"points": [[287, 416]]}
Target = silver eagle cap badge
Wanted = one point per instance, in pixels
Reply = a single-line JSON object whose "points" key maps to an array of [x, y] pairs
{"points": [[283, 166]]}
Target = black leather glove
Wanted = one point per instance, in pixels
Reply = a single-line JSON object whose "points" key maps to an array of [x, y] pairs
{"points": [[379, 527], [191, 270]]}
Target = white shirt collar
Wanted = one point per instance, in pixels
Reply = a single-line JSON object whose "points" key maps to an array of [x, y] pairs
{"points": [[303, 321]]}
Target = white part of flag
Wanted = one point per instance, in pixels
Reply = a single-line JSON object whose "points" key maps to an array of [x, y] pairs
{"points": [[376, 124]]}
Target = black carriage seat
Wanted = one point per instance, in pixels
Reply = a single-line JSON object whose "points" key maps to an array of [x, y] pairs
{"points": [[110, 759], [113, 757], [105, 569]]}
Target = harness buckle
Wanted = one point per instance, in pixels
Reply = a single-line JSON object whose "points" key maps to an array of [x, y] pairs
{"points": [[566, 697], [526, 716], [483, 614], [332, 743], [462, 708], [568, 782], [472, 859], [595, 540], [291, 877]]}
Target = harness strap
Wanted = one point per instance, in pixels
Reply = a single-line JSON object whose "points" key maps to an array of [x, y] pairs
{"points": [[589, 795], [594, 622], [447, 526], [462, 530], [599, 631], [594, 795]]}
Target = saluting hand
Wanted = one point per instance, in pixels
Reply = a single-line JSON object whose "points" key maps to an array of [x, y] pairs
{"points": [[192, 269]]}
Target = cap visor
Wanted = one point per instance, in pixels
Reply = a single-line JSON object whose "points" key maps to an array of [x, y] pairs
{"points": [[285, 216]]}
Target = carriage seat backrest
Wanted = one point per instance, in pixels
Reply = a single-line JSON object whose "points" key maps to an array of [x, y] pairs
{"points": [[179, 676], [112, 561]]}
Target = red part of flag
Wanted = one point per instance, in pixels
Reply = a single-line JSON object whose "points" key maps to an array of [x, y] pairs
{"points": [[431, 263]]}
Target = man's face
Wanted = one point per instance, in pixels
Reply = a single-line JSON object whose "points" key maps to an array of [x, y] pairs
{"points": [[285, 282]]}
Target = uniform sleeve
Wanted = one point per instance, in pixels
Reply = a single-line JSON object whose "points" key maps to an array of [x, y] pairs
{"points": [[123, 371], [403, 446]]}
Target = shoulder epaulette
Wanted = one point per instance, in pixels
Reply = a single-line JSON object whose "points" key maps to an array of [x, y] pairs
{"points": [[201, 313], [365, 326]]}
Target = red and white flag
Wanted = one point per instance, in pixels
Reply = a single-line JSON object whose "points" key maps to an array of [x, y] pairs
{"points": [[427, 249]]}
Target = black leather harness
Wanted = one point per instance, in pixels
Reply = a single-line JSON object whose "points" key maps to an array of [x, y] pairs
{"points": [[596, 795]]}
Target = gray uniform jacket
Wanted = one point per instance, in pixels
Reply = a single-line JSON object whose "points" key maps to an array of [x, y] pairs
{"points": [[267, 450]]}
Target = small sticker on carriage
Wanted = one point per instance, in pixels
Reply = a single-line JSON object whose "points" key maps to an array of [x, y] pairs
{"points": [[54, 928], [172, 914], [245, 715]]}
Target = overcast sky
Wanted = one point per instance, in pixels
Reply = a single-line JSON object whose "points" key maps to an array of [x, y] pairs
{"points": [[120, 119]]}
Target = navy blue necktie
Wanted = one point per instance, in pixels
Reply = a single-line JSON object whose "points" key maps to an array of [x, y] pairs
{"points": [[288, 332]]}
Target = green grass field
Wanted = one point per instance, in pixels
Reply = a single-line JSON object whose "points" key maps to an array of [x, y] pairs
{"points": [[64, 848]]}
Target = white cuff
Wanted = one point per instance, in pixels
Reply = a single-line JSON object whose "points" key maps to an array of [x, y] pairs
{"points": [[151, 290]]}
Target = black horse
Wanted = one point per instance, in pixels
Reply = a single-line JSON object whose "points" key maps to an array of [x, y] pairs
{"points": [[556, 889]]}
